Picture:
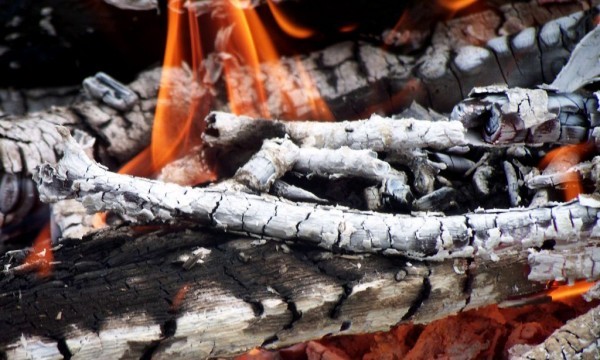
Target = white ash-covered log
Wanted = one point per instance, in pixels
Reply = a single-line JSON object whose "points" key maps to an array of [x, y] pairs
{"points": [[485, 234]]}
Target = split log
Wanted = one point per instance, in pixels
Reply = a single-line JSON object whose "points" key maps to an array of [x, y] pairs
{"points": [[163, 292], [482, 234]]}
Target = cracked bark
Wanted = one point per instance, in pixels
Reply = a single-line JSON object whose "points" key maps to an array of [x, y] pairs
{"points": [[27, 141], [127, 292], [486, 234], [30, 140], [375, 134]]}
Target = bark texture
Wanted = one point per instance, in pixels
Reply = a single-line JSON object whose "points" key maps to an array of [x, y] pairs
{"points": [[165, 292], [485, 234]]}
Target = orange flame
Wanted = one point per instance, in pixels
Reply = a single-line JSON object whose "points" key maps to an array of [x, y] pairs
{"points": [[41, 255], [177, 128], [244, 43], [562, 292], [287, 25], [561, 159], [249, 42], [455, 5]]}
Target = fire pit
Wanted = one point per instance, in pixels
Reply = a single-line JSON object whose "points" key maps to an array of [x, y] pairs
{"points": [[429, 168]]}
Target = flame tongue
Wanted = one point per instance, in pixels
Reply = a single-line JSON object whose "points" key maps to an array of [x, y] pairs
{"points": [[561, 159], [249, 61]]}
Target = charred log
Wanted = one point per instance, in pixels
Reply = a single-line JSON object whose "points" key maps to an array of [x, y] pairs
{"points": [[509, 116], [155, 291], [27, 141]]}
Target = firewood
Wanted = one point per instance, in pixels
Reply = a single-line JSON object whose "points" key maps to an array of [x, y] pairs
{"points": [[420, 236], [27, 141], [120, 135], [508, 116], [128, 291], [376, 134]]}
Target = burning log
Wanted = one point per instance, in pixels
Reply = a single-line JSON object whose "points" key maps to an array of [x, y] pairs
{"points": [[120, 120], [321, 292], [421, 237], [374, 79], [120, 134], [148, 291]]}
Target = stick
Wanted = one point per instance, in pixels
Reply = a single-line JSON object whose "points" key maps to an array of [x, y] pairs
{"points": [[376, 133]]}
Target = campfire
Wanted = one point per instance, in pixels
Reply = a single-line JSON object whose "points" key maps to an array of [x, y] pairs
{"points": [[394, 180]]}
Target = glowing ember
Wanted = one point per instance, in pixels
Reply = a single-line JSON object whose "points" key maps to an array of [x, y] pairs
{"points": [[562, 292], [41, 255], [561, 159], [179, 297]]}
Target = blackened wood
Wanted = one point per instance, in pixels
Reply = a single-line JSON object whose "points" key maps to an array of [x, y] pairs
{"points": [[128, 292], [508, 116]]}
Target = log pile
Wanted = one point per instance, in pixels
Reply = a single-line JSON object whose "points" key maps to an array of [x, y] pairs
{"points": [[317, 228]]}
